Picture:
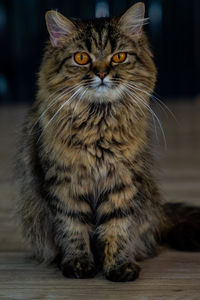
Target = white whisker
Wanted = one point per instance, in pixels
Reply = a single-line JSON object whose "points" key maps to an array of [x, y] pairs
{"points": [[65, 103], [153, 97], [138, 97], [65, 92], [128, 92], [79, 100], [59, 97], [142, 101]]}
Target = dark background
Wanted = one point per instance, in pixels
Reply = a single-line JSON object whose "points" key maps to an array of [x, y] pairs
{"points": [[174, 32]]}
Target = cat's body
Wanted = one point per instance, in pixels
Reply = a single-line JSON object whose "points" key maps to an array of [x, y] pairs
{"points": [[87, 192]]}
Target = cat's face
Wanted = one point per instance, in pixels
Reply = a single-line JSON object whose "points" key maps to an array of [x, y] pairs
{"points": [[102, 58]]}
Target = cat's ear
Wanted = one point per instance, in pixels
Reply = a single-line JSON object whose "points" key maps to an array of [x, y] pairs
{"points": [[59, 28], [133, 19]]}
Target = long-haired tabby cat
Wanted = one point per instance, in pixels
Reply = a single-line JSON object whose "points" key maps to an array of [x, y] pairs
{"points": [[88, 197]]}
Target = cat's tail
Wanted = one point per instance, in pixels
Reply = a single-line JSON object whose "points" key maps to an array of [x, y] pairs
{"points": [[183, 232]]}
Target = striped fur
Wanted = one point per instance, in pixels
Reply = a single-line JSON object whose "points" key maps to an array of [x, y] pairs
{"points": [[87, 193]]}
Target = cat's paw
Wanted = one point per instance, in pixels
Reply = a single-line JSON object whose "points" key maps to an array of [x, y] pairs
{"points": [[125, 272], [78, 268]]}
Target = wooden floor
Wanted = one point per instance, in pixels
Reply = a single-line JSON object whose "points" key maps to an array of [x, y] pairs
{"points": [[171, 275]]}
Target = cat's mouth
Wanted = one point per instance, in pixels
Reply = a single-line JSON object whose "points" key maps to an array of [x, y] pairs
{"points": [[103, 90], [102, 85]]}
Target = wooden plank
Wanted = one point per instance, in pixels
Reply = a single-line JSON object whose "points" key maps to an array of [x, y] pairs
{"points": [[171, 274]]}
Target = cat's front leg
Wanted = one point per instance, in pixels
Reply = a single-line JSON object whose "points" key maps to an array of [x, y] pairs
{"points": [[72, 236], [115, 223], [119, 261]]}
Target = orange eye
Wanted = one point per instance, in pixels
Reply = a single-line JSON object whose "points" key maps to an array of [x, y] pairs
{"points": [[119, 57], [81, 58]]}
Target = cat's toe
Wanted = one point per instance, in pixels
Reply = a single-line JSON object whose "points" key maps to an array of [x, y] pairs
{"points": [[125, 272], [78, 268]]}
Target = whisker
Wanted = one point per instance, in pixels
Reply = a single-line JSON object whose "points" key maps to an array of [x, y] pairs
{"points": [[54, 101], [65, 92], [79, 100], [153, 97], [128, 92], [154, 116], [52, 118], [124, 92], [138, 96], [133, 88]]}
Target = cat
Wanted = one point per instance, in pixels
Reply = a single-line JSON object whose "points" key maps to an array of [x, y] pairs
{"points": [[88, 198]]}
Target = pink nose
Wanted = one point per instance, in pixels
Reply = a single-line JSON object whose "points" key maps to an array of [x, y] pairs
{"points": [[102, 75]]}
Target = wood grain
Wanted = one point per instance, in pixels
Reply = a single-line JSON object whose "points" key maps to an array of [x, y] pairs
{"points": [[171, 275]]}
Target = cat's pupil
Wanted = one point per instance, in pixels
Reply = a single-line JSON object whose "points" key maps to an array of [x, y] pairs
{"points": [[81, 57], [119, 55]]}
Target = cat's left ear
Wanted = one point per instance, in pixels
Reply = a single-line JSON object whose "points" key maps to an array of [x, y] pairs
{"points": [[59, 28], [133, 19]]}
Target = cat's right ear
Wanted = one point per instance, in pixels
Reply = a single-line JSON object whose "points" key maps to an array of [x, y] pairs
{"points": [[133, 20], [59, 28]]}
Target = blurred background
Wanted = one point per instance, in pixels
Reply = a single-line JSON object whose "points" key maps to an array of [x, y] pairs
{"points": [[174, 32]]}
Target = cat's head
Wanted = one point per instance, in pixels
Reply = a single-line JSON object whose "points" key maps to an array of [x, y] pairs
{"points": [[103, 59]]}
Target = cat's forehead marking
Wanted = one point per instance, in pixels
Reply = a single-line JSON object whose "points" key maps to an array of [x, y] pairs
{"points": [[101, 39]]}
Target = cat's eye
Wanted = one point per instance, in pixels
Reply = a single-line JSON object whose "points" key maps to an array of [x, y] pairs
{"points": [[81, 58], [119, 57]]}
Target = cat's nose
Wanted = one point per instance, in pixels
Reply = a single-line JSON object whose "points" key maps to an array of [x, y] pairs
{"points": [[102, 74]]}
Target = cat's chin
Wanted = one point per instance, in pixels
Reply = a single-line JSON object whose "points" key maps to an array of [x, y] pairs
{"points": [[103, 94]]}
